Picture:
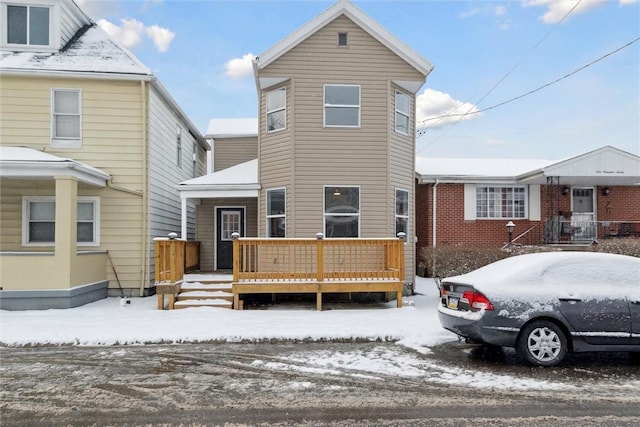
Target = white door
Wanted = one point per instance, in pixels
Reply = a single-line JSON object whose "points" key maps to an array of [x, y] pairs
{"points": [[583, 215]]}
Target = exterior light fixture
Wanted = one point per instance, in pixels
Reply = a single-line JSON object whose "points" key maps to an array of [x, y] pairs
{"points": [[510, 227], [336, 192], [606, 191], [565, 190]]}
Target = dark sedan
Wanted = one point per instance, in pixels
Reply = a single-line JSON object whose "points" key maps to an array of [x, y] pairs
{"points": [[547, 304]]}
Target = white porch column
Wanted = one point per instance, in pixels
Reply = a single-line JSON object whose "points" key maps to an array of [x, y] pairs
{"points": [[66, 234], [183, 217]]}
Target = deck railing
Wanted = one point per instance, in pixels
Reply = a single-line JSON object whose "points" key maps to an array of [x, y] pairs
{"points": [[174, 257], [317, 260]]}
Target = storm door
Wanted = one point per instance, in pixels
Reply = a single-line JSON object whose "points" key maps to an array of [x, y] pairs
{"points": [[583, 215], [228, 221]]}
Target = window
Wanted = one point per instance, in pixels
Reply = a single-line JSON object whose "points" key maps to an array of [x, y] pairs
{"points": [[195, 159], [402, 211], [341, 211], [27, 25], [66, 120], [343, 39], [500, 202], [276, 109], [341, 106], [178, 146], [39, 221], [276, 212], [403, 106]]}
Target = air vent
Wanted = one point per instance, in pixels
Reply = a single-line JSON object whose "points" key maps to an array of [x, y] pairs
{"points": [[343, 39]]}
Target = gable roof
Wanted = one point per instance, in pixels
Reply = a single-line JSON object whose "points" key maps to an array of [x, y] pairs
{"points": [[348, 9], [604, 166], [232, 128]]}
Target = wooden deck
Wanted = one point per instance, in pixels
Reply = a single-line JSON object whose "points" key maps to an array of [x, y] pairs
{"points": [[291, 266]]}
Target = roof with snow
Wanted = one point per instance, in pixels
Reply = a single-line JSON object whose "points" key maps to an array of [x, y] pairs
{"points": [[22, 162], [232, 128], [237, 181], [93, 52]]}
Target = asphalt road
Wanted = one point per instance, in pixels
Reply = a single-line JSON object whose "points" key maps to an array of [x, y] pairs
{"points": [[285, 384]]}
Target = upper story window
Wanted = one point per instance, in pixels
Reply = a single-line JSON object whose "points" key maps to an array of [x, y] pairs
{"points": [[341, 211], [343, 39], [66, 118], [28, 25], [276, 109], [276, 212], [402, 211], [403, 112], [501, 202], [341, 106], [178, 146], [39, 221]]}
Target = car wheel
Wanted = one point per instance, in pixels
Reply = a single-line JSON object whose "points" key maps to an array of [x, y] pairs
{"points": [[542, 343]]}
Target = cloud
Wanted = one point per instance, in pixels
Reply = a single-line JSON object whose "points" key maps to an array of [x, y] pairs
{"points": [[240, 67], [557, 9], [469, 13], [500, 10], [162, 37], [493, 142], [435, 109], [131, 33]]}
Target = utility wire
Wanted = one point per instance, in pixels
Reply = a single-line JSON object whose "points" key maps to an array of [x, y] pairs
{"points": [[422, 131], [534, 90]]}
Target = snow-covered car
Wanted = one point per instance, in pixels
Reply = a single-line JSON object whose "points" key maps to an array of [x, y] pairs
{"points": [[547, 304]]}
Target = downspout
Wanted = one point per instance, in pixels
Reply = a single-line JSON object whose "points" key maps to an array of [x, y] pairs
{"points": [[144, 249], [434, 220]]}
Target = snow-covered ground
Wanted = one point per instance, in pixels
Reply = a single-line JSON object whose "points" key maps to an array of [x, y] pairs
{"points": [[108, 322]]}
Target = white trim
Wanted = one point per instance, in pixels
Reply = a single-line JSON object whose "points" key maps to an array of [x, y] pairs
{"points": [[27, 200], [395, 209], [70, 142], [406, 114], [525, 199], [266, 210], [324, 204], [54, 27], [215, 229], [283, 108], [325, 105]]}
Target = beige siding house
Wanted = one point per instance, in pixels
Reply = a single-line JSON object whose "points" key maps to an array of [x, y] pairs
{"points": [[91, 147], [334, 141]]}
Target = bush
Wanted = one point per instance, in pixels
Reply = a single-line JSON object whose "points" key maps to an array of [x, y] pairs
{"points": [[447, 261]]}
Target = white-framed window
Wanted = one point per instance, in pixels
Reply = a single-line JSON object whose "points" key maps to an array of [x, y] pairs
{"points": [[178, 146], [341, 211], [276, 109], [501, 202], [27, 25], [341, 105], [195, 159], [66, 118], [276, 212], [343, 39], [39, 221], [403, 112], [402, 211]]}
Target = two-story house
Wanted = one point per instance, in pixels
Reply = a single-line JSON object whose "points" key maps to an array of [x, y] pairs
{"points": [[92, 146], [333, 149]]}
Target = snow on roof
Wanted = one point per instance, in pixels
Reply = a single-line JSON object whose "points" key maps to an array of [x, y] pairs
{"points": [[232, 128], [488, 168], [22, 162], [242, 174], [93, 52]]}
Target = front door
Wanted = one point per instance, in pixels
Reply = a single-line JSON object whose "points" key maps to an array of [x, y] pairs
{"points": [[228, 221], [583, 215]]}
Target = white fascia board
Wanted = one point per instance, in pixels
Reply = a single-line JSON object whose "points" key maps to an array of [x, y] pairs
{"points": [[409, 86], [430, 179], [218, 193], [21, 72], [267, 82], [48, 170]]}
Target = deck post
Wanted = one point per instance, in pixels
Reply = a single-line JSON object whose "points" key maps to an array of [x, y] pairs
{"points": [[236, 268], [319, 257], [319, 301]]}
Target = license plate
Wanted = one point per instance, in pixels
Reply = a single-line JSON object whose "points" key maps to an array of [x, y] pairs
{"points": [[452, 303]]}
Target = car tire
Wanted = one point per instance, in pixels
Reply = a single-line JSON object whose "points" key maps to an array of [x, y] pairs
{"points": [[542, 343]]}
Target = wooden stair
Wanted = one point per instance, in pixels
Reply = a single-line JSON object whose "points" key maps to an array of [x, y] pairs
{"points": [[205, 293]]}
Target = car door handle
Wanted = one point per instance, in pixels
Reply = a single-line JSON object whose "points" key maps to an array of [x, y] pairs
{"points": [[572, 300]]}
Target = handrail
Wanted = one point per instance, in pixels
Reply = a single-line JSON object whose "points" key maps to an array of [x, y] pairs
{"points": [[174, 257], [317, 260]]}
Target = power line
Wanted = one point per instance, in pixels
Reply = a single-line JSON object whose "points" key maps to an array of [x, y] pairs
{"points": [[423, 131], [534, 90]]}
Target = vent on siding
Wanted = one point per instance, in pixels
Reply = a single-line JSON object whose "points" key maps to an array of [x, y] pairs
{"points": [[343, 39]]}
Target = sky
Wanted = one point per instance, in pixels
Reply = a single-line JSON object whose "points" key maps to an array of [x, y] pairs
{"points": [[535, 79]]}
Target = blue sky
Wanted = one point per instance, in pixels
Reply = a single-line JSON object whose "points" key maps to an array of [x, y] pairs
{"points": [[484, 53]]}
